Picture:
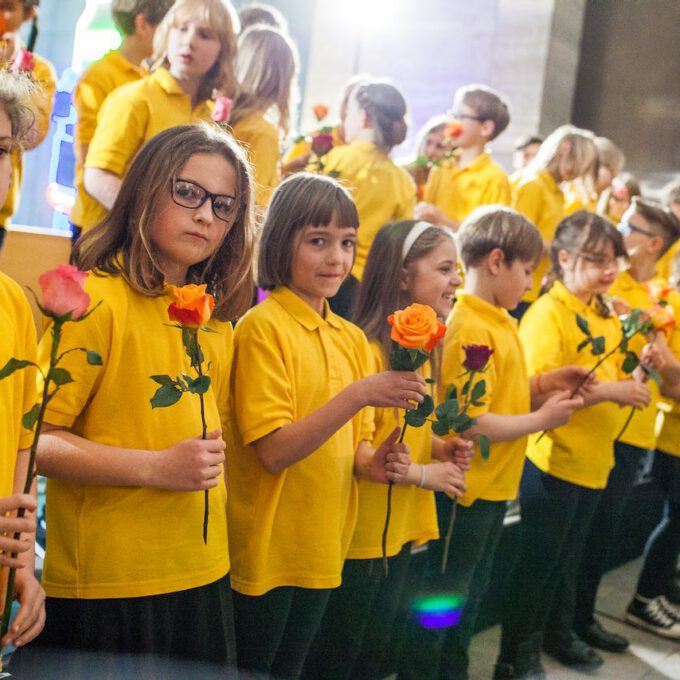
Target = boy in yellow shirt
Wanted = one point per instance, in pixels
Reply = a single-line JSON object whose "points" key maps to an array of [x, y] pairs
{"points": [[649, 230], [471, 178], [499, 249], [136, 21]]}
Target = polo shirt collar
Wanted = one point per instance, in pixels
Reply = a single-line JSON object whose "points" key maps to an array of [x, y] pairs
{"points": [[549, 181], [626, 282], [498, 314], [124, 64], [162, 76], [569, 300], [302, 312]]}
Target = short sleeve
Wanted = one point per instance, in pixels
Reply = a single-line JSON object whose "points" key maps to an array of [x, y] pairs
{"points": [[30, 391], [527, 200], [542, 340]]}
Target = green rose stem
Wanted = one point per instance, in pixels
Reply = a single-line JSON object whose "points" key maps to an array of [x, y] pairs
{"points": [[204, 434], [54, 359], [626, 424], [389, 511]]}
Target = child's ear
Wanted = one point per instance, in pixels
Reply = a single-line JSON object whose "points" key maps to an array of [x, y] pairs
{"points": [[495, 261], [564, 258], [404, 280], [656, 245], [487, 128]]}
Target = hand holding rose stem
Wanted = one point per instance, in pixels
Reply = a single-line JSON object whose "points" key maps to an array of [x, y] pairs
{"points": [[415, 333], [64, 300]]}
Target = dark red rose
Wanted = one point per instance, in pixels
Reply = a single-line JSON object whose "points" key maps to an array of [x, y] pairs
{"points": [[322, 144], [476, 356]]}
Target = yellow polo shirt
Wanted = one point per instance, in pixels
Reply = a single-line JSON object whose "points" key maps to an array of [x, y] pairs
{"points": [[45, 77], [130, 116], [577, 197], [582, 451], [477, 322], [458, 191], [381, 190], [541, 201], [108, 541], [18, 391], [414, 516], [96, 83], [261, 140], [293, 528], [640, 430]]}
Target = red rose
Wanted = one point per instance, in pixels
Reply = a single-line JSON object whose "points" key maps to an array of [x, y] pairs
{"points": [[322, 144], [476, 356], [63, 292]]}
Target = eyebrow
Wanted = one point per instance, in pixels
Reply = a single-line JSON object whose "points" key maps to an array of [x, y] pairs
{"points": [[8, 140]]}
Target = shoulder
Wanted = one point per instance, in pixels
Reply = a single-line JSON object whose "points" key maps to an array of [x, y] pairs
{"points": [[13, 298]]}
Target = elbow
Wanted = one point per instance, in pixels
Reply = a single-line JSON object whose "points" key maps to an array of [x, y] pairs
{"points": [[269, 461]]}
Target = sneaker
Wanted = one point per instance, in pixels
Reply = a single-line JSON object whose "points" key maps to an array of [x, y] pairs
{"points": [[597, 636], [507, 671], [574, 652], [653, 615], [671, 608]]}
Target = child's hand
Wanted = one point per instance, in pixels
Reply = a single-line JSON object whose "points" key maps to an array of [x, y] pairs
{"points": [[430, 213], [398, 389], [30, 619], [653, 355], [630, 393], [391, 461], [447, 477], [571, 378], [620, 307], [458, 451], [9, 525], [192, 464], [557, 409]]}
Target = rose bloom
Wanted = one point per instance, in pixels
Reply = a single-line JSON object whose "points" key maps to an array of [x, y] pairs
{"points": [[322, 143], [659, 289], [192, 307], [222, 110], [62, 291], [662, 318], [24, 61], [416, 327], [453, 129], [320, 111], [476, 356]]}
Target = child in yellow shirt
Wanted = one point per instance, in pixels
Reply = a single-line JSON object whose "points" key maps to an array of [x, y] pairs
{"points": [[672, 202], [382, 191], [567, 467], [567, 154], [408, 262], [472, 178], [615, 200], [136, 21], [498, 248], [16, 57], [430, 149], [301, 382], [126, 483], [194, 49], [266, 71]]}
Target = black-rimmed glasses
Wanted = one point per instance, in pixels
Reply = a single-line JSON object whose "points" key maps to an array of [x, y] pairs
{"points": [[627, 228], [191, 195]]}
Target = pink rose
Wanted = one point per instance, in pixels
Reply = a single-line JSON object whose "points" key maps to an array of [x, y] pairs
{"points": [[24, 61], [222, 110], [63, 292]]}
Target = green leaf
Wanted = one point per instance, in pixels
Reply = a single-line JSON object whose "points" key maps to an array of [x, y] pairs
{"points": [[415, 419], [484, 447], [200, 385], [462, 422], [167, 395], [466, 387], [59, 376], [623, 345], [31, 417], [583, 325], [440, 428], [14, 365], [162, 379], [207, 329], [448, 409], [430, 381], [479, 390], [93, 358], [583, 344], [452, 392], [598, 345], [422, 161], [630, 363], [333, 173]]}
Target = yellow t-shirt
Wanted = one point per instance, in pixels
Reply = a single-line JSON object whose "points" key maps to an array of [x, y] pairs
{"points": [[112, 542], [664, 267], [130, 116], [640, 430], [582, 451], [577, 197], [17, 391], [477, 322], [458, 191], [541, 201], [293, 528], [41, 106], [96, 83], [261, 140], [381, 190], [414, 516]]}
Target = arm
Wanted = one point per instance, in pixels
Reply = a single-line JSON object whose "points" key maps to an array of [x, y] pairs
{"points": [[430, 213], [571, 378], [102, 185], [190, 465]]}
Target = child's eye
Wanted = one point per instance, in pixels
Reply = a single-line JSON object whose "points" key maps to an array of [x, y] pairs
{"points": [[349, 243], [4, 150], [206, 34], [317, 241]]}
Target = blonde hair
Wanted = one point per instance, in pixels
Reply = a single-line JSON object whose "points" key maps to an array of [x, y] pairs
{"points": [[16, 90], [222, 18], [582, 152], [610, 155], [120, 243], [266, 67]]}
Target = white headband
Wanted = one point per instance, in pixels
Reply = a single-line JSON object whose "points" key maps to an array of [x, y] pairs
{"points": [[416, 232]]}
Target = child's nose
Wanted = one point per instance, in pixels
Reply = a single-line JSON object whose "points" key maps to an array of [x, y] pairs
{"points": [[205, 212]]}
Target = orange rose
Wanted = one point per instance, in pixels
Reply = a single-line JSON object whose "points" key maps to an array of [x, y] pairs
{"points": [[659, 289], [192, 307], [662, 318], [416, 327], [320, 111], [453, 129]]}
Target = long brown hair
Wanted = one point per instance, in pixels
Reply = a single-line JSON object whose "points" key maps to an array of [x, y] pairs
{"points": [[120, 243]]}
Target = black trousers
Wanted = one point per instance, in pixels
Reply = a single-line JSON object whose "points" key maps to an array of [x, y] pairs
{"points": [[356, 633], [556, 517], [443, 653], [274, 631], [604, 531]]}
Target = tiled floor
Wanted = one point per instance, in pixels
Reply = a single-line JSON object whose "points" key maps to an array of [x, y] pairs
{"points": [[649, 657]]}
